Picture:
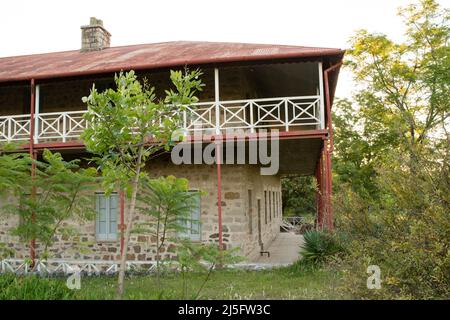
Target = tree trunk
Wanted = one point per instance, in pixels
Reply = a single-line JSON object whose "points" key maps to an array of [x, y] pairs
{"points": [[157, 252], [123, 258]]}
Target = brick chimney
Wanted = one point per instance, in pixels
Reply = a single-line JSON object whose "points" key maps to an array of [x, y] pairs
{"points": [[94, 36]]}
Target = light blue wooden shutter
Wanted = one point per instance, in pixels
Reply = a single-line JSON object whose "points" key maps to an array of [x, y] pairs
{"points": [[112, 227], [191, 225], [195, 220], [106, 224], [102, 220]]}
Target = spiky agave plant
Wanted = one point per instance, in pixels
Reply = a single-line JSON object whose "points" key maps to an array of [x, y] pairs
{"points": [[319, 245]]}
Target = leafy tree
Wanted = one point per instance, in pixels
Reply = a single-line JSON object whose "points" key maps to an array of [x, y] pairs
{"points": [[15, 170], [405, 231], [356, 154], [401, 101], [404, 87], [167, 200], [392, 159], [299, 196], [126, 126], [57, 193]]}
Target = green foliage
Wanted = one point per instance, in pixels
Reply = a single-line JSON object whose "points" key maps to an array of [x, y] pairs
{"points": [[127, 126], [186, 84], [298, 196], [59, 191], [15, 171], [278, 283], [5, 251], [357, 149], [123, 122], [201, 258], [391, 165], [319, 246], [167, 200], [14, 287], [406, 233], [405, 86]]}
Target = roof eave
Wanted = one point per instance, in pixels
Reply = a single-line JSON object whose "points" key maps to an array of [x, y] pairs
{"points": [[337, 54]]}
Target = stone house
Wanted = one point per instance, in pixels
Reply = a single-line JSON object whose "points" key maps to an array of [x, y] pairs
{"points": [[251, 87]]}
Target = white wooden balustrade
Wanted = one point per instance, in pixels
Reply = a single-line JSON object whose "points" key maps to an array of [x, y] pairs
{"points": [[60, 125], [285, 114], [96, 267], [15, 128]]}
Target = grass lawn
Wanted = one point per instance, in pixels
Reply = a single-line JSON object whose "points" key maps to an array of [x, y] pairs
{"points": [[283, 283]]}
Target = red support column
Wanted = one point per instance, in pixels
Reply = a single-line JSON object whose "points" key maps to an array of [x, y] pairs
{"points": [[122, 219], [319, 192], [219, 192], [33, 156], [328, 199], [327, 210], [317, 175], [328, 149]]}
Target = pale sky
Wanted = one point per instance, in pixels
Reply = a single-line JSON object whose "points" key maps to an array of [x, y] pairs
{"points": [[28, 27]]}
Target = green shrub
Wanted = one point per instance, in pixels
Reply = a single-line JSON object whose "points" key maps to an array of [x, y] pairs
{"points": [[302, 267], [406, 233], [14, 287], [318, 246]]}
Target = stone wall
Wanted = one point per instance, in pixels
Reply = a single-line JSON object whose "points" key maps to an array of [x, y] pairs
{"points": [[14, 100], [66, 95], [239, 216], [234, 83], [237, 211]]}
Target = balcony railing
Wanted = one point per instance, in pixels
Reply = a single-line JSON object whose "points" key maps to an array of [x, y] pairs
{"points": [[285, 114]]}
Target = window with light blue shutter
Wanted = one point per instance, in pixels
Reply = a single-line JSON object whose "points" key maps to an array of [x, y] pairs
{"points": [[191, 226], [106, 224]]}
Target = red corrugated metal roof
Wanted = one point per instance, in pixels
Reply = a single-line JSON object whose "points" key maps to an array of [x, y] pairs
{"points": [[147, 56]]}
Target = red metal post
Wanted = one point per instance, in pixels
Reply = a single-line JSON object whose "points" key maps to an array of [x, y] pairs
{"points": [[329, 190], [319, 192], [322, 190], [219, 192], [33, 156], [329, 150], [317, 174], [122, 219]]}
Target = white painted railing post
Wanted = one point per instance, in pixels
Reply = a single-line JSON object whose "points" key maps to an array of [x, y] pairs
{"points": [[322, 104], [64, 115], [217, 99], [252, 124], [286, 116], [36, 115], [8, 137]]}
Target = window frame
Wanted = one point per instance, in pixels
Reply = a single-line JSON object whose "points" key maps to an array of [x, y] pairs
{"points": [[265, 207], [187, 233], [108, 235], [250, 211]]}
